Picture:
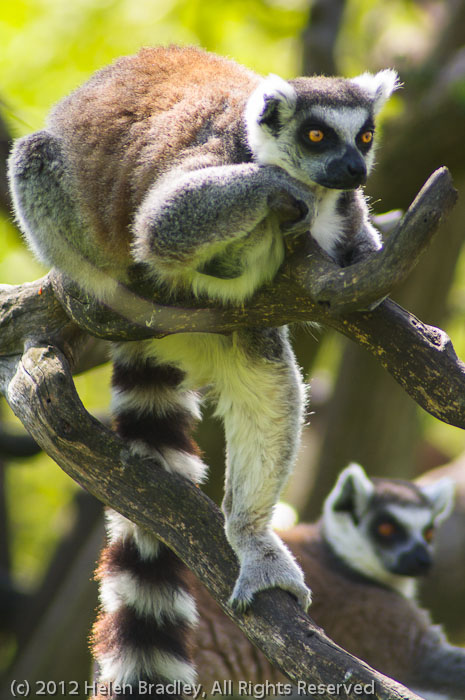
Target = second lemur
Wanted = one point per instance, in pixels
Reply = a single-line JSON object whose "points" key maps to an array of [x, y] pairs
{"points": [[187, 171], [375, 539]]}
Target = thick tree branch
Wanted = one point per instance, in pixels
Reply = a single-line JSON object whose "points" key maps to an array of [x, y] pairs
{"points": [[420, 357], [324, 289], [40, 391], [42, 320]]}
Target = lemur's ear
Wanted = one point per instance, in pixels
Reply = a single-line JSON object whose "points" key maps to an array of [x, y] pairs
{"points": [[441, 495], [352, 491], [379, 86], [271, 104]]}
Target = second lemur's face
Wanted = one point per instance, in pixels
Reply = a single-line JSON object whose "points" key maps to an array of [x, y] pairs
{"points": [[320, 130], [385, 527], [402, 536]]}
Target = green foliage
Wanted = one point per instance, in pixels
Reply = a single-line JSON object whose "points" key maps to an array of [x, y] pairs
{"points": [[16, 263], [41, 494], [48, 48], [51, 46], [398, 28]]}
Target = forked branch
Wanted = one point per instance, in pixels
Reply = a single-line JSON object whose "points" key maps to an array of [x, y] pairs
{"points": [[41, 392], [46, 323]]}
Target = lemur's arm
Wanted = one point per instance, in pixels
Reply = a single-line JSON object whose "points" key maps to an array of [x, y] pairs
{"points": [[361, 238], [440, 667], [182, 218], [185, 214], [366, 241]]}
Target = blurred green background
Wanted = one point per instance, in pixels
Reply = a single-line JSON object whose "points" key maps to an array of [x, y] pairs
{"points": [[48, 47]]}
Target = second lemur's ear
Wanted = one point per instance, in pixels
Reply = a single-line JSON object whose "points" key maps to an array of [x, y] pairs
{"points": [[379, 86], [271, 104], [352, 491], [441, 495]]}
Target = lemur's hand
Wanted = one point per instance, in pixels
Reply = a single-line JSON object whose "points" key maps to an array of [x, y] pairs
{"points": [[269, 565], [293, 214], [293, 202]]}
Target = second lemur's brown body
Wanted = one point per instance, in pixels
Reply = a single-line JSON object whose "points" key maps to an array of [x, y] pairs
{"points": [[378, 625]]}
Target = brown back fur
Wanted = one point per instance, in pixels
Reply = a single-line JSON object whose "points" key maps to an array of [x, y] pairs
{"points": [[134, 119], [374, 623]]}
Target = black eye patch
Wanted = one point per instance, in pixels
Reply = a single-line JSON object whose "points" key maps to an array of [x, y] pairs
{"points": [[387, 531], [364, 138], [316, 136]]}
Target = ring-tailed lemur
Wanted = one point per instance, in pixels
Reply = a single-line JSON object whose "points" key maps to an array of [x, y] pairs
{"points": [[186, 170], [363, 558]]}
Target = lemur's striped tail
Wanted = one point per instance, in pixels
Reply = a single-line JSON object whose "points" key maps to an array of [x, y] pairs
{"points": [[141, 635]]}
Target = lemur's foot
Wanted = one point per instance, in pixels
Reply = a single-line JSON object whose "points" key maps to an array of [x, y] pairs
{"points": [[269, 567]]}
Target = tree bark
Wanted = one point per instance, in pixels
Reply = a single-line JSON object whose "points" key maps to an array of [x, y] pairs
{"points": [[39, 332], [40, 391]]}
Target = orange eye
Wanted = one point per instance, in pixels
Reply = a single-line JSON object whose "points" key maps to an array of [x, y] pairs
{"points": [[316, 135], [386, 529], [428, 534], [367, 137]]}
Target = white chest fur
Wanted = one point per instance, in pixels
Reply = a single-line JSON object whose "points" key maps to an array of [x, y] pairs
{"points": [[328, 226]]}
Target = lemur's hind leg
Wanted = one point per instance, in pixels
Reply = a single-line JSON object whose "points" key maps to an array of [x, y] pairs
{"points": [[46, 200], [262, 433]]}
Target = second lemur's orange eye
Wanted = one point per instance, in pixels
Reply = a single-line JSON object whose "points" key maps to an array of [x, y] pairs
{"points": [[367, 137], [386, 529], [428, 534], [316, 135]]}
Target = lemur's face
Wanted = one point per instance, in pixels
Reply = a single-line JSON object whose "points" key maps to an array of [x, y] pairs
{"points": [[402, 537], [334, 145], [320, 130], [385, 526]]}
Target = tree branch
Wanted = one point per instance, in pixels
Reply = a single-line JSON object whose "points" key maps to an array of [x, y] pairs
{"points": [[40, 391], [420, 357], [323, 289], [45, 321]]}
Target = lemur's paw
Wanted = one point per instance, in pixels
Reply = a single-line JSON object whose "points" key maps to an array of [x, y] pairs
{"points": [[293, 202], [269, 569]]}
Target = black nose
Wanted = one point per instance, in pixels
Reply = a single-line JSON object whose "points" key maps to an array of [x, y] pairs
{"points": [[347, 172], [355, 166], [415, 562]]}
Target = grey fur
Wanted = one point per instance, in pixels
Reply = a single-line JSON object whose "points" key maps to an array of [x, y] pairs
{"points": [[44, 197], [360, 236], [439, 672], [191, 210]]}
